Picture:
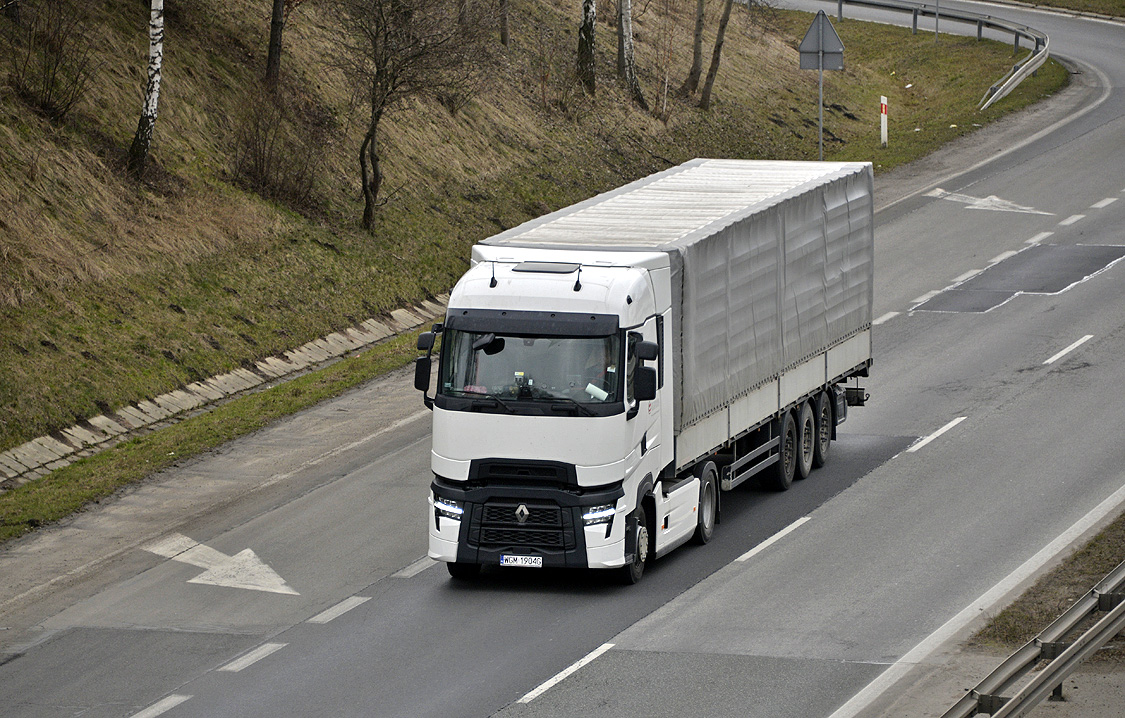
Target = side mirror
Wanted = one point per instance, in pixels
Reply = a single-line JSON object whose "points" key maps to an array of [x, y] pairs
{"points": [[644, 386], [647, 351], [422, 374], [426, 342]]}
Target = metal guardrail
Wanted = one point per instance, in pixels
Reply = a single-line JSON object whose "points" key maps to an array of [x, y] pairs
{"points": [[1004, 85], [1049, 645]]}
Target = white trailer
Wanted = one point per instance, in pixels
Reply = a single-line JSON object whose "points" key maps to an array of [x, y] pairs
{"points": [[606, 369]]}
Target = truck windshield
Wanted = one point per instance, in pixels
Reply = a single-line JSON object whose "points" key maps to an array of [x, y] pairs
{"points": [[578, 369]]}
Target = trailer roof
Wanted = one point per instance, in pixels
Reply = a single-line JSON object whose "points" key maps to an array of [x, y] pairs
{"points": [[665, 208]]}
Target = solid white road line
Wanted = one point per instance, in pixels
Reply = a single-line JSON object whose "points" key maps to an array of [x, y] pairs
{"points": [[1104, 203], [1071, 220], [161, 707], [1039, 238], [919, 444], [886, 317], [560, 677], [982, 605], [339, 609], [415, 568], [253, 657], [772, 539], [1069, 349]]}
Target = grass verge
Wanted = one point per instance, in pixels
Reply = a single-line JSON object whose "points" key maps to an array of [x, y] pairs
{"points": [[89, 480]]}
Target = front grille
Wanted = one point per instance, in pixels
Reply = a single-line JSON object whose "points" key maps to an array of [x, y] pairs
{"points": [[497, 524], [494, 471]]}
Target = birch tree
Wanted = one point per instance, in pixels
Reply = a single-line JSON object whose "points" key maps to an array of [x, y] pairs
{"points": [[716, 54], [586, 32], [396, 49], [626, 62], [142, 141], [691, 84]]}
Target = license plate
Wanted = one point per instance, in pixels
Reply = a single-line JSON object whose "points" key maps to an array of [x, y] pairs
{"points": [[524, 561]]}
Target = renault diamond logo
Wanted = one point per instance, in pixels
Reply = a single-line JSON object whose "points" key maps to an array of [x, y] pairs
{"points": [[522, 513]]}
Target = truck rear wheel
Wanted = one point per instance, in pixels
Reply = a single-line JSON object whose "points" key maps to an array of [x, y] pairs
{"points": [[823, 429], [708, 508], [463, 571], [787, 453], [632, 572], [806, 441]]}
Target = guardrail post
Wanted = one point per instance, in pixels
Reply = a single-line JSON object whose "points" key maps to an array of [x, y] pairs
{"points": [[980, 29], [839, 10], [914, 24], [1016, 48]]}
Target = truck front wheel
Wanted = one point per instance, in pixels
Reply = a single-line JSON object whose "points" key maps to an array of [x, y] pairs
{"points": [[708, 508], [786, 464], [631, 572]]}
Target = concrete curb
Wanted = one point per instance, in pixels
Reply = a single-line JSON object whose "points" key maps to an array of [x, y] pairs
{"points": [[39, 457]]}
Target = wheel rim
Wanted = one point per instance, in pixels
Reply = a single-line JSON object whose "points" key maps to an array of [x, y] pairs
{"points": [[642, 545], [789, 454], [825, 432], [708, 507], [807, 437]]}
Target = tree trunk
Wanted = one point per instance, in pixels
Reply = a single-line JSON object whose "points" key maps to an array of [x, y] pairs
{"points": [[691, 84], [709, 84], [505, 37], [273, 59], [628, 67], [142, 141], [371, 172], [586, 61]]}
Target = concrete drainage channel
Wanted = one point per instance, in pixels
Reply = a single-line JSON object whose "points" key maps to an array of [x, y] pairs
{"points": [[39, 457]]}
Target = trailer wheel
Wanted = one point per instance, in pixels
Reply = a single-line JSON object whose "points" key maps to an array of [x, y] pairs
{"points": [[463, 571], [823, 429], [806, 444], [632, 572], [708, 503], [787, 453]]}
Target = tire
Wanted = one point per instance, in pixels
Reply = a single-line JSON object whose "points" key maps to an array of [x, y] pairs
{"points": [[463, 571], [824, 427], [786, 465], [632, 572], [708, 504], [806, 440]]}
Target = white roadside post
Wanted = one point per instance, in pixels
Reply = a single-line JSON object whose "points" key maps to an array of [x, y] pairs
{"points": [[883, 120]]}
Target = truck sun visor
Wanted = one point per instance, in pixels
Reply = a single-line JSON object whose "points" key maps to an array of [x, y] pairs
{"points": [[504, 321]]}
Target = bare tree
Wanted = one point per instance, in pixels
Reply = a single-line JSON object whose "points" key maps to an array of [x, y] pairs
{"points": [[505, 37], [626, 62], [666, 37], [142, 140], [278, 18], [716, 54], [691, 84], [395, 49], [586, 32]]}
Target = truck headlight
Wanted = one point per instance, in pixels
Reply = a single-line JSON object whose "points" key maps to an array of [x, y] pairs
{"points": [[448, 508], [602, 514]]}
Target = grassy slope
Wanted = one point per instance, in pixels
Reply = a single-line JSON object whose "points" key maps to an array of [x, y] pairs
{"points": [[111, 292]]}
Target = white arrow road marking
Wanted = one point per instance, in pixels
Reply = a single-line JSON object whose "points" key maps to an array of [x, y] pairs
{"points": [[991, 202], [243, 570]]}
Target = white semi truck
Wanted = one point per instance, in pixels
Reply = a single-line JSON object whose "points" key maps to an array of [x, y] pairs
{"points": [[607, 369]]}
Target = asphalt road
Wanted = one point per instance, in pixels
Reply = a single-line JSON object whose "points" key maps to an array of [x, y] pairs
{"points": [[890, 548]]}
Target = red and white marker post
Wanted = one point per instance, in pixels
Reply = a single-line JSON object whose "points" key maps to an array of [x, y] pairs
{"points": [[883, 119]]}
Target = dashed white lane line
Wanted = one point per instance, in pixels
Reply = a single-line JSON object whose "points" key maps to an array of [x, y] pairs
{"points": [[1001, 257], [339, 609], [161, 707], [1069, 349], [922, 442], [773, 539], [1038, 238], [415, 568], [885, 318], [562, 675], [926, 297], [1071, 220], [967, 276], [1104, 203], [253, 657]]}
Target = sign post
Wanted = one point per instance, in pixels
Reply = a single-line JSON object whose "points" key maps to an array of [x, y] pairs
{"points": [[821, 50], [883, 120]]}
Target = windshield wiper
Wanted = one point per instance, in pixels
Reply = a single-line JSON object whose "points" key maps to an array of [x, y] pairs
{"points": [[478, 396], [571, 404]]}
